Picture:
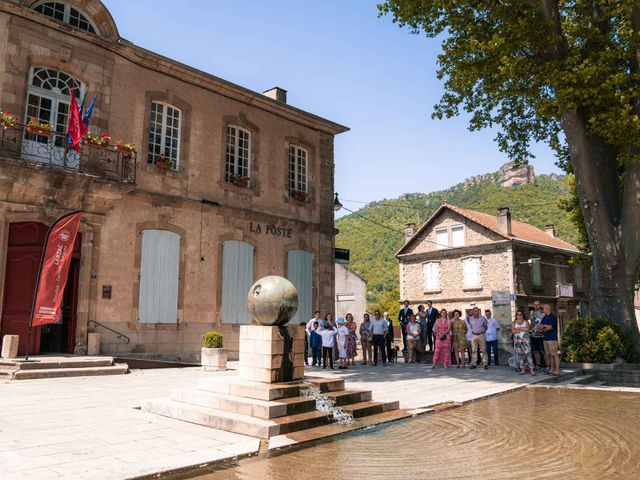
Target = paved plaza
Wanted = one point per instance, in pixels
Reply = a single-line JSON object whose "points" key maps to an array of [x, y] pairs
{"points": [[90, 427]]}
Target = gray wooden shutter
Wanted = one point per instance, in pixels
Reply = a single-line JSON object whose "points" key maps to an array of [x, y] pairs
{"points": [[159, 277], [237, 278], [299, 272]]}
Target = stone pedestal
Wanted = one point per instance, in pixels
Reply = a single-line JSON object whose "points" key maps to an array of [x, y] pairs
{"points": [[93, 344], [271, 354], [10, 346]]}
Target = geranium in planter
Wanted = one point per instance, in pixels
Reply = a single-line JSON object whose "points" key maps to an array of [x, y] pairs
{"points": [[163, 162], [123, 147], [240, 181], [7, 119], [95, 140], [39, 128], [213, 356], [298, 195]]}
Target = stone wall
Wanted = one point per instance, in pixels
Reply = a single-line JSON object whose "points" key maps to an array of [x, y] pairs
{"points": [[349, 282]]}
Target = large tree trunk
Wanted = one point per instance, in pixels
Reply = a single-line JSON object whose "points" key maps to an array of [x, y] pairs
{"points": [[613, 274]]}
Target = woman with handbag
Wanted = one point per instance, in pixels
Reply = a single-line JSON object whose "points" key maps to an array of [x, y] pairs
{"points": [[442, 330]]}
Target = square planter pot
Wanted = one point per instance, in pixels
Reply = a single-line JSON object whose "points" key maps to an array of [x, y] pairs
{"points": [[213, 359]]}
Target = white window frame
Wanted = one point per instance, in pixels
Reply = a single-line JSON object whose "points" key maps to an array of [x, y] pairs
{"points": [[442, 245], [67, 16], [456, 228], [298, 174], [466, 280], [427, 276], [151, 155], [233, 147]]}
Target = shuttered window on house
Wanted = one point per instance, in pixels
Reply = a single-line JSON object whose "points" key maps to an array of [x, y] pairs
{"points": [[471, 272], [237, 279], [431, 276], [442, 238], [300, 273], [159, 277], [536, 272]]}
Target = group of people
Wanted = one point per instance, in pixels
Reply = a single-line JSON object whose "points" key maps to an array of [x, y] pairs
{"points": [[535, 339]]}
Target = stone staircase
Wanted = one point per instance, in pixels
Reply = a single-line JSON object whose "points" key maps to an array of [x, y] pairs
{"points": [[268, 410], [53, 367]]}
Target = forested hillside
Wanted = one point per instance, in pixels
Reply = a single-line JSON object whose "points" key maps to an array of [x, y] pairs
{"points": [[373, 246]]}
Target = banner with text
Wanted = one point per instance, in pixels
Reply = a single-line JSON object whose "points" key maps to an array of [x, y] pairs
{"points": [[55, 268]]}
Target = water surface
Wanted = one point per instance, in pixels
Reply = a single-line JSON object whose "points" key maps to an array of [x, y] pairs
{"points": [[532, 433]]}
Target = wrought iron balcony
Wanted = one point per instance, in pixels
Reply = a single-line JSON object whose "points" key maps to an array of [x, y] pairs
{"points": [[54, 149]]}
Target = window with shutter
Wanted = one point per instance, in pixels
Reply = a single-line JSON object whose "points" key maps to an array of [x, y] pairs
{"points": [[300, 273], [431, 272], [442, 238], [237, 279], [457, 236], [578, 277], [471, 272], [536, 272], [159, 277]]}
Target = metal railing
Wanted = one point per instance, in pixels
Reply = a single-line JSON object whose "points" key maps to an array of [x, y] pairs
{"points": [[53, 149], [120, 335]]}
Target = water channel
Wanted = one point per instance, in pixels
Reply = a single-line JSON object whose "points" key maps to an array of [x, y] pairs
{"points": [[531, 433]]}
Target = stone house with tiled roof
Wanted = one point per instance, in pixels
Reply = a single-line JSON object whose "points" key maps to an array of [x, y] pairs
{"points": [[461, 258]]}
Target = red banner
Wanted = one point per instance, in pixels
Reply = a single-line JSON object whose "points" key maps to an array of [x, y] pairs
{"points": [[55, 268], [76, 126]]}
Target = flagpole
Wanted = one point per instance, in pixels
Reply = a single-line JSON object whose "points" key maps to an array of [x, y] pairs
{"points": [[35, 292]]}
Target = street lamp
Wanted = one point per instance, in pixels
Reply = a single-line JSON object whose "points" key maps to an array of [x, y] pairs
{"points": [[336, 204]]}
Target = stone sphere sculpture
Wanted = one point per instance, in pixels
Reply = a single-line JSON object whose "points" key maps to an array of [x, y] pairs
{"points": [[273, 300]]}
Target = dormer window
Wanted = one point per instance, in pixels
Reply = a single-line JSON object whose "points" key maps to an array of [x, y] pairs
{"points": [[67, 14]]}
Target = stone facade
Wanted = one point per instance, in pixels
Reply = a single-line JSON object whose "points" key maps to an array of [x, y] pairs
{"points": [[194, 200], [351, 293], [503, 267]]}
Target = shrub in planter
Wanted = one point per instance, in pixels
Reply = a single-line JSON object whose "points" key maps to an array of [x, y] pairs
{"points": [[595, 340], [213, 356]]}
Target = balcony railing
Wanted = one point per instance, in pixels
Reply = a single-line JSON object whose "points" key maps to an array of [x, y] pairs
{"points": [[55, 151]]}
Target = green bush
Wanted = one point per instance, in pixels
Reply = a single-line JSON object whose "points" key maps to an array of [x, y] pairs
{"points": [[212, 340], [595, 340]]}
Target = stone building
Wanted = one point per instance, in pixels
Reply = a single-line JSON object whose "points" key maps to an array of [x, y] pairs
{"points": [[461, 259], [227, 185], [351, 293]]}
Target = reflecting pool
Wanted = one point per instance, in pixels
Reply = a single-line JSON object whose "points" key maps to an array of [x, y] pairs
{"points": [[532, 433]]}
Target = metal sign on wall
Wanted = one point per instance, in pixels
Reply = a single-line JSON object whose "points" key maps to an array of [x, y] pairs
{"points": [[342, 255]]}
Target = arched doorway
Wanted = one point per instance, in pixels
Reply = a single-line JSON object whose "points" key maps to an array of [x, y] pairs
{"points": [[26, 240]]}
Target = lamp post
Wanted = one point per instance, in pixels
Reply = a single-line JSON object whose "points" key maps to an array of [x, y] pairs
{"points": [[336, 204]]}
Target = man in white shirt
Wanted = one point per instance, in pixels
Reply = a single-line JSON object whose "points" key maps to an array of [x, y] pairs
{"points": [[491, 337], [316, 318], [379, 326]]}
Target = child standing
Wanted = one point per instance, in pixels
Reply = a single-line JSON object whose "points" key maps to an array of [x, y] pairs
{"points": [[343, 333], [306, 344], [316, 345], [328, 334]]}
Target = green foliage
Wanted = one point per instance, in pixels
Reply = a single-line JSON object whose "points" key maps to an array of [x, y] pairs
{"points": [[212, 340], [373, 247], [388, 301], [594, 340]]}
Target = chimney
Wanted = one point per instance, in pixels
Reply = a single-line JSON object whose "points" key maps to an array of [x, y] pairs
{"points": [[277, 93], [409, 231], [550, 230], [504, 221]]}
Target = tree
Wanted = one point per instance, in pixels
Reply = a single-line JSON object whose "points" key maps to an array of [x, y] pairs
{"points": [[562, 71]]}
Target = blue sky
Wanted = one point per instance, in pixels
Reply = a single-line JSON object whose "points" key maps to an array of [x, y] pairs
{"points": [[339, 61]]}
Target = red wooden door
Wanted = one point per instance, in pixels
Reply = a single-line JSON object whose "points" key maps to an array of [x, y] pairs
{"points": [[23, 258], [69, 307]]}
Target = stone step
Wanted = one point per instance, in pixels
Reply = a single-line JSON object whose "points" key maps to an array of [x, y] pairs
{"points": [[119, 369], [332, 429], [44, 364], [6, 373], [245, 406], [579, 380], [234, 422], [244, 388], [326, 384], [347, 397], [365, 409]]}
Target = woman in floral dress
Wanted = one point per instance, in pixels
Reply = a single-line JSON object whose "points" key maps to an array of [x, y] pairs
{"points": [[442, 330], [352, 341], [522, 343], [459, 340]]}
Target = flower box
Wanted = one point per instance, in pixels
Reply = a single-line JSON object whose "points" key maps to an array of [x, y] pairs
{"points": [[163, 164], [43, 132], [7, 119], [124, 147], [299, 196], [241, 181], [94, 140]]}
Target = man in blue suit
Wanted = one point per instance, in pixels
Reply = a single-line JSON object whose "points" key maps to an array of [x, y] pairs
{"points": [[403, 320], [432, 316]]}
